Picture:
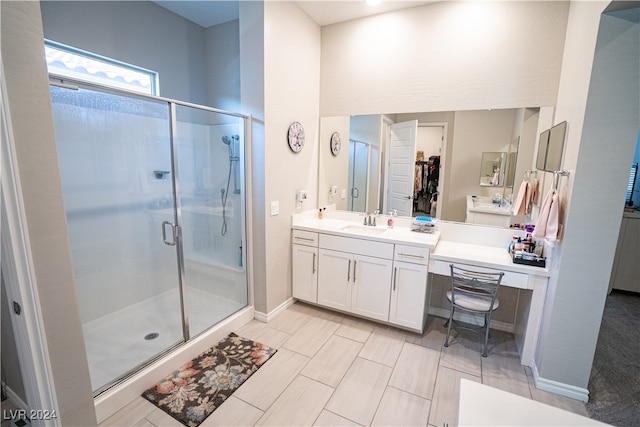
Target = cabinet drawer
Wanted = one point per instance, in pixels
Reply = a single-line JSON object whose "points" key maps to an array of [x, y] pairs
{"points": [[515, 280], [412, 254], [357, 246], [307, 238]]}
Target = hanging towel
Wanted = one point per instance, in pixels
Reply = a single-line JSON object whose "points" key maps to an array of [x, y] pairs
{"points": [[535, 191], [548, 219], [521, 205]]}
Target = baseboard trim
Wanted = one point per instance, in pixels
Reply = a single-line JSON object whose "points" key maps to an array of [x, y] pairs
{"points": [[471, 319], [567, 390], [266, 317]]}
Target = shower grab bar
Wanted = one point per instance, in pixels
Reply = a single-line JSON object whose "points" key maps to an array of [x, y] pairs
{"points": [[173, 233]]}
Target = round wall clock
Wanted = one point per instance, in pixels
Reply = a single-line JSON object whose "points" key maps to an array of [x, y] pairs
{"points": [[296, 137], [335, 143]]}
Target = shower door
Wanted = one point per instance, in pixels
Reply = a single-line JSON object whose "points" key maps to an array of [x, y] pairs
{"points": [[155, 202], [115, 162], [210, 194]]}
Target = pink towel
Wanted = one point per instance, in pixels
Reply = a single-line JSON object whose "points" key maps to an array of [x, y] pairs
{"points": [[521, 205], [548, 220]]}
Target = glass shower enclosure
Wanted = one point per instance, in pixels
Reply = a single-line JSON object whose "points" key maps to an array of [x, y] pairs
{"points": [[154, 194]]}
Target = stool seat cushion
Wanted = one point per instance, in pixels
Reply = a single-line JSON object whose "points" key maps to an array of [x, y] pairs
{"points": [[473, 301]]}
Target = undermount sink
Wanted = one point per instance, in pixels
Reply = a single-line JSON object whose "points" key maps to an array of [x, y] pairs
{"points": [[363, 229]]}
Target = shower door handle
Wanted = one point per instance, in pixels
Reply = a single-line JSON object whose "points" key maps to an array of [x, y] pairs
{"points": [[173, 233]]}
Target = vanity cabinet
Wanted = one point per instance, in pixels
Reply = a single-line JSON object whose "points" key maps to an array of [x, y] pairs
{"points": [[304, 258], [377, 280], [409, 300], [355, 277]]}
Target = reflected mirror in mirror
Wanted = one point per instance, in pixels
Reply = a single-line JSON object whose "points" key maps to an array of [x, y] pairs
{"points": [[543, 144], [555, 148], [492, 169]]}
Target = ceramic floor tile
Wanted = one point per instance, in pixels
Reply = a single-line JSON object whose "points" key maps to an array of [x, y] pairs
{"points": [[332, 361], [433, 335], [399, 408], [446, 395], [130, 414], [160, 418], [290, 320], [233, 412], [266, 334], [416, 370], [329, 419], [320, 312], [144, 423], [384, 345], [311, 336], [463, 354], [505, 373], [299, 405], [359, 393], [355, 329], [266, 384]]}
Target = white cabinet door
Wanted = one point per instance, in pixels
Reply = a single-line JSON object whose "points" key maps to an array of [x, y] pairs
{"points": [[305, 273], [408, 295], [334, 279], [371, 288]]}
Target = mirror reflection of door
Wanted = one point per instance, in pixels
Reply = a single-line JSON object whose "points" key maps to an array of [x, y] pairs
{"points": [[358, 176], [402, 155]]}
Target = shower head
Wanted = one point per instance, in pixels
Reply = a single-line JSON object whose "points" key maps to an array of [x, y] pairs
{"points": [[226, 140]]}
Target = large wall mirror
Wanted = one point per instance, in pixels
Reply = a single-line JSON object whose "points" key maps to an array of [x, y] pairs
{"points": [[423, 163]]}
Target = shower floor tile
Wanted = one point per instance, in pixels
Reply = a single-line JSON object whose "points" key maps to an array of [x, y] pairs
{"points": [[116, 342]]}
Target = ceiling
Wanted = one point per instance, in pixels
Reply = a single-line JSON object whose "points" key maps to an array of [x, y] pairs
{"points": [[323, 12]]}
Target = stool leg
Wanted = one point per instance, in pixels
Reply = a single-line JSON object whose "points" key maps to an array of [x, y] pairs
{"points": [[448, 324], [487, 322]]}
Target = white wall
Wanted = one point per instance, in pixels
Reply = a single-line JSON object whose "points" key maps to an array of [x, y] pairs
{"points": [[598, 97], [138, 33], [222, 65], [292, 71], [444, 56]]}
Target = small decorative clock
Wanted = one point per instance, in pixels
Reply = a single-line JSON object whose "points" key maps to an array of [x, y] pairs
{"points": [[335, 143], [296, 137]]}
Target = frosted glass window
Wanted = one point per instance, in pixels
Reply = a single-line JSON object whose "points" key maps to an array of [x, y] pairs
{"points": [[67, 61]]}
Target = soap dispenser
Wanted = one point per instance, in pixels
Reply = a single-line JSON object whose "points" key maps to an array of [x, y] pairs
{"points": [[390, 220]]}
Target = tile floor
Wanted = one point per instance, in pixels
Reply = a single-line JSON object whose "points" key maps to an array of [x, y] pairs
{"points": [[336, 370]]}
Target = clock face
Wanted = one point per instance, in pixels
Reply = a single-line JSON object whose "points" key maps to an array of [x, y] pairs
{"points": [[335, 143], [296, 137]]}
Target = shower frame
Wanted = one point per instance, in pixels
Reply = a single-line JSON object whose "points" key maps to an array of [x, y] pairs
{"points": [[69, 83]]}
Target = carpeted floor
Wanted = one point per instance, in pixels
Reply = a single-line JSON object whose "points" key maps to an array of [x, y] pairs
{"points": [[614, 385]]}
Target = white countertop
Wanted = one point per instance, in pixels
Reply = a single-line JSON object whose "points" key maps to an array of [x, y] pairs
{"points": [[481, 405], [380, 233], [484, 256]]}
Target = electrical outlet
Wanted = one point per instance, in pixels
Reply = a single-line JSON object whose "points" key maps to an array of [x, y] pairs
{"points": [[343, 193], [275, 208]]}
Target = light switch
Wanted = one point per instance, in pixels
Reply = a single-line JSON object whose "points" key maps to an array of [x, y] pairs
{"points": [[275, 208], [343, 193]]}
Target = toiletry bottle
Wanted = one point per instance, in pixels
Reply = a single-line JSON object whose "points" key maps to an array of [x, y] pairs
{"points": [[320, 213], [390, 220], [519, 245]]}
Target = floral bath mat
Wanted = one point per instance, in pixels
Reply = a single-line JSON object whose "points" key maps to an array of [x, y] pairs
{"points": [[191, 393]]}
